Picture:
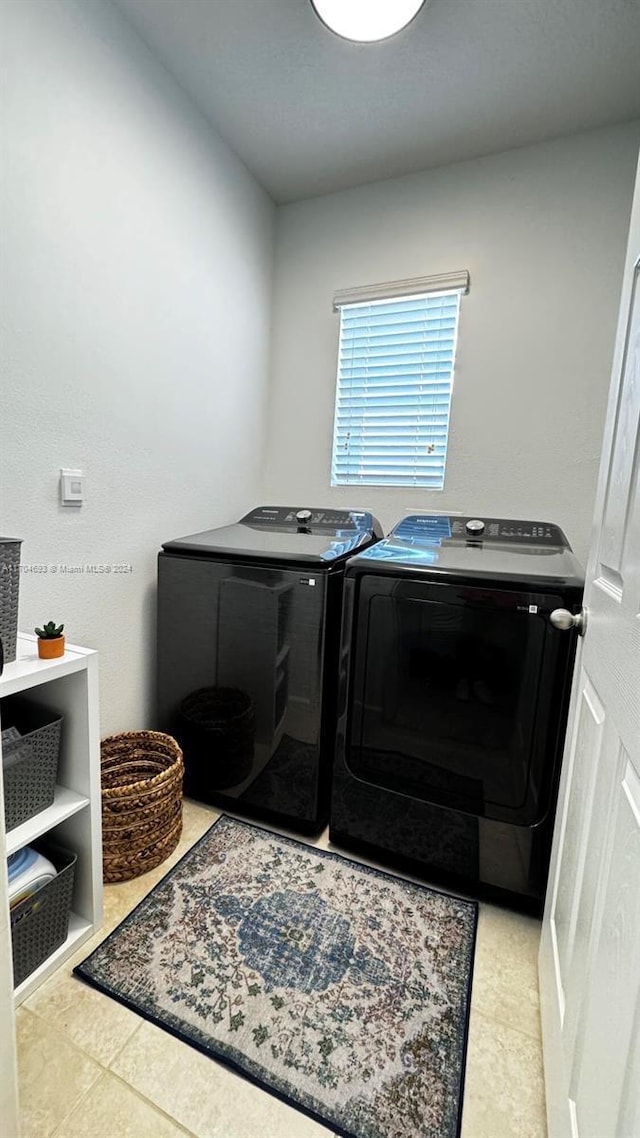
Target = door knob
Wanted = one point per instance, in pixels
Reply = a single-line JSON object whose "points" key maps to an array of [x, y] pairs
{"points": [[564, 620]]}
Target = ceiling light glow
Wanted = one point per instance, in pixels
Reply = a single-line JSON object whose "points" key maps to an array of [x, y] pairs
{"points": [[366, 21]]}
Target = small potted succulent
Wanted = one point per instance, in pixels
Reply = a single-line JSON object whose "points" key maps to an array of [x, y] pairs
{"points": [[50, 640]]}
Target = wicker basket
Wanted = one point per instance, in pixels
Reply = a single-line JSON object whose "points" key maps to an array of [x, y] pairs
{"points": [[216, 727], [141, 802], [9, 590]]}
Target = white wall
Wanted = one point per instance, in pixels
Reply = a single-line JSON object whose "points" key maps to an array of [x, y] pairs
{"points": [[542, 231], [136, 274], [136, 286]]}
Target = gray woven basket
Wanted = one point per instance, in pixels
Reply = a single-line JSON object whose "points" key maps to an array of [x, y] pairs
{"points": [[40, 923], [30, 762], [9, 589]]}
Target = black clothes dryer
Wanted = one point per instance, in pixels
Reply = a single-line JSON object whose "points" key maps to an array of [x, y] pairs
{"points": [[248, 639], [454, 696]]}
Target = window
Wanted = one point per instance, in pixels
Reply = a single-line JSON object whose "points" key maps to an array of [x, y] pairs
{"points": [[395, 377]]}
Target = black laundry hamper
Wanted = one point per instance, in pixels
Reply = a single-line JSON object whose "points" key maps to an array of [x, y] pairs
{"points": [[217, 735]]}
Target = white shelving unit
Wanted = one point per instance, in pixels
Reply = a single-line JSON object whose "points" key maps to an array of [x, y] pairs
{"points": [[69, 686]]}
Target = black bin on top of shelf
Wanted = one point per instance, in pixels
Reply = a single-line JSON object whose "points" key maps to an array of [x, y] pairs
{"points": [[30, 752], [217, 725], [9, 596]]}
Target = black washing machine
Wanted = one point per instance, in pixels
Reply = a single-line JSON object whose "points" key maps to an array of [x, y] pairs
{"points": [[455, 680], [248, 640]]}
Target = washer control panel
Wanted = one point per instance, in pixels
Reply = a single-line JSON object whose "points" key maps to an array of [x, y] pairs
{"points": [[439, 527], [290, 517]]}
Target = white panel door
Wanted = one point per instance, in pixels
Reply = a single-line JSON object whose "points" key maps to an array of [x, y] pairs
{"points": [[590, 950]]}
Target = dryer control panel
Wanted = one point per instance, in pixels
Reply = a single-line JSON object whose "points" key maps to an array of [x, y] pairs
{"points": [[440, 527]]}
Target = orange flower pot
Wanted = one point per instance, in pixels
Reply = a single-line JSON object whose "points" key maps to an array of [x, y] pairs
{"points": [[52, 648]]}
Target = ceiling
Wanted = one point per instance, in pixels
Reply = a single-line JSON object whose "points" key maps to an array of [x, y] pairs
{"points": [[310, 113]]}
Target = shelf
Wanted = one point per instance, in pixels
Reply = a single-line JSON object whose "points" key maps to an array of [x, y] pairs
{"points": [[65, 804], [67, 686], [28, 670], [79, 931]]}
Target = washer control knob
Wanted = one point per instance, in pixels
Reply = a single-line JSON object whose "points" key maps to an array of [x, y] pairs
{"points": [[475, 527], [303, 516]]}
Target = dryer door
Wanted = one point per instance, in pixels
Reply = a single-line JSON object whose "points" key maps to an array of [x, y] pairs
{"points": [[457, 695]]}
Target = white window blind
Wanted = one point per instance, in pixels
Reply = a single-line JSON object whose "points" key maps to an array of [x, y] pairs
{"points": [[395, 376]]}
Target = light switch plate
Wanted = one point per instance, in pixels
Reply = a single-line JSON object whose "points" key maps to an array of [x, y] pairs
{"points": [[71, 487]]}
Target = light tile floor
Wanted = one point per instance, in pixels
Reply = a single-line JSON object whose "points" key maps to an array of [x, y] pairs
{"points": [[90, 1068]]}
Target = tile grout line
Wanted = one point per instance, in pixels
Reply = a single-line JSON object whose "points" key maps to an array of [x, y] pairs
{"points": [[503, 1023], [57, 1130], [536, 1036], [152, 1105], [55, 1026], [106, 1073]]}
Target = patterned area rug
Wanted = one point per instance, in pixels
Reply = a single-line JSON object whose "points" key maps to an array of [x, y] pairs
{"points": [[342, 990]]}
